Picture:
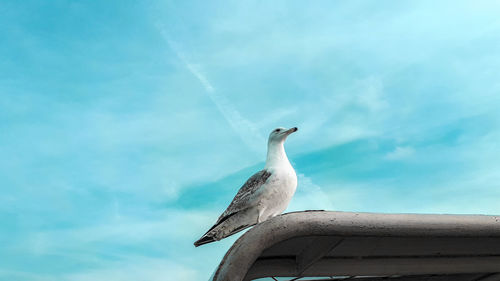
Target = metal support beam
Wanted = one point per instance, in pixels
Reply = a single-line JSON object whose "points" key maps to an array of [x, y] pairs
{"points": [[309, 255]]}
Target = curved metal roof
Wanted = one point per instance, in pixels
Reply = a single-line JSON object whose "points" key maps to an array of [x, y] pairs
{"points": [[358, 245]]}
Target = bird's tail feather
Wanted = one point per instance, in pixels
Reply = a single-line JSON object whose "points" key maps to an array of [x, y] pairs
{"points": [[227, 227], [204, 240], [208, 237]]}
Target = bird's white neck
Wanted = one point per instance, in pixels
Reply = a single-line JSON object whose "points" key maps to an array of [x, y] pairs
{"points": [[276, 156]]}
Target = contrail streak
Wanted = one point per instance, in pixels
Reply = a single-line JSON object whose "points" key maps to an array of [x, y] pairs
{"points": [[244, 128]]}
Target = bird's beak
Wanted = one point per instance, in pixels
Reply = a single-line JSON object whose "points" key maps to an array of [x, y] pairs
{"points": [[292, 130]]}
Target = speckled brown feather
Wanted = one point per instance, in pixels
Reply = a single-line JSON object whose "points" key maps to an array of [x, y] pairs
{"points": [[239, 203]]}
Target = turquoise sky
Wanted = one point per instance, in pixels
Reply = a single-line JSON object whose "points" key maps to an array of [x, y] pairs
{"points": [[126, 127]]}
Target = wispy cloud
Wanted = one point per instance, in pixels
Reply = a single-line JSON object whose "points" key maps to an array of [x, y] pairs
{"points": [[400, 152], [309, 196], [124, 248]]}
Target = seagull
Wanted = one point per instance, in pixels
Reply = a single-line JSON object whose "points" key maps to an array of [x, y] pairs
{"points": [[263, 196]]}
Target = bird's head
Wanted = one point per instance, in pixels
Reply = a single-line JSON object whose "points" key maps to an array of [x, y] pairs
{"points": [[279, 135]]}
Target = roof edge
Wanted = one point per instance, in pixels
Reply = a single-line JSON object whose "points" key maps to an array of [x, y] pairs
{"points": [[249, 246]]}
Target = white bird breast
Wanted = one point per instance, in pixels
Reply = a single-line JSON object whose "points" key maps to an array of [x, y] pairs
{"points": [[276, 193]]}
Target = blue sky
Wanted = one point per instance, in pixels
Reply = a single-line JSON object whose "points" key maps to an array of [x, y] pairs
{"points": [[126, 127]]}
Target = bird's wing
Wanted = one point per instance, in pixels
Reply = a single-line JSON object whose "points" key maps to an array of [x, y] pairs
{"points": [[243, 196], [240, 202]]}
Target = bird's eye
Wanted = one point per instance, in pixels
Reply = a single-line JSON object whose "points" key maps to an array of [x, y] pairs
{"points": [[277, 130]]}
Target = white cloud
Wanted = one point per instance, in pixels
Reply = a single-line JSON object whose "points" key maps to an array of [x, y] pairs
{"points": [[369, 94], [400, 152], [309, 196]]}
